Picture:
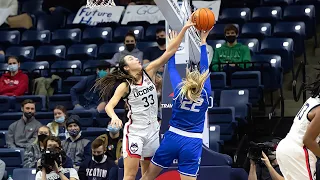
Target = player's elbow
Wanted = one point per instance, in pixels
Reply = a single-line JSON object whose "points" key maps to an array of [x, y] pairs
{"points": [[307, 141]]}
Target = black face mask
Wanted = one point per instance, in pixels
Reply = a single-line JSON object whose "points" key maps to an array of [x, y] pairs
{"points": [[130, 47], [98, 158], [161, 41], [28, 115], [231, 39], [42, 137]]}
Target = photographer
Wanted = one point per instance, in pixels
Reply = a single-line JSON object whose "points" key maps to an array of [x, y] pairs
{"points": [[263, 162], [51, 162]]}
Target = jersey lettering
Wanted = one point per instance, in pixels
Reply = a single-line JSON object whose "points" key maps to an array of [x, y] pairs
{"points": [[189, 105], [142, 92], [303, 110], [148, 100]]}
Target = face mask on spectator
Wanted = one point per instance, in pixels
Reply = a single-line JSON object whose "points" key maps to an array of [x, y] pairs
{"points": [[13, 67], [102, 73], [42, 137], [113, 130], [130, 47], [28, 115], [161, 41], [74, 132], [98, 158], [231, 39], [59, 119]]}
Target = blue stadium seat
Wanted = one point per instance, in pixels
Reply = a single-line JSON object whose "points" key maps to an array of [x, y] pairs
{"points": [[239, 99], [214, 137], [82, 51], [65, 69], [305, 13], [5, 103], [90, 66], [106, 51], [24, 173], [68, 83], [97, 35], [282, 47], [250, 80], [225, 118], [252, 43], [120, 33], [218, 31], [92, 134], [44, 117], [218, 83], [35, 38], [271, 70], [294, 30], [66, 36], [235, 15], [31, 7], [216, 43], [144, 45], [50, 53], [40, 101], [2, 58], [277, 2], [36, 69], [256, 30], [9, 38], [60, 99], [7, 118], [48, 22], [267, 14], [3, 66], [3, 143], [86, 117], [25, 53], [151, 32], [12, 158]]}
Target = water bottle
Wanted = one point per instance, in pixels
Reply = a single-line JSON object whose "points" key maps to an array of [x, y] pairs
{"points": [[10, 178]]}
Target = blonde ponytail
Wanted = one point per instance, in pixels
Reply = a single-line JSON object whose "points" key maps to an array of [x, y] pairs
{"points": [[191, 86]]}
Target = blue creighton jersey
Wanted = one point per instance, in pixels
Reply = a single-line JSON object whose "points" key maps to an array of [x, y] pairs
{"points": [[188, 115]]}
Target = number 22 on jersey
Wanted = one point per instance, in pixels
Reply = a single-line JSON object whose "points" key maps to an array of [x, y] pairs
{"points": [[303, 110], [191, 106]]}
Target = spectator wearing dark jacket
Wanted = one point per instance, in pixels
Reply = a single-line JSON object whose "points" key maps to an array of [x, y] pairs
{"points": [[85, 88], [76, 147], [22, 133], [99, 167], [14, 82]]}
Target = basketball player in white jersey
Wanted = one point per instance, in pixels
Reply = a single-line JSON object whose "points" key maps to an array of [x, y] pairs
{"points": [[141, 132], [297, 153]]}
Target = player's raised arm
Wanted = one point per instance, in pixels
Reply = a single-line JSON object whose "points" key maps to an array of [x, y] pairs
{"points": [[174, 74], [204, 64], [313, 131], [154, 66]]}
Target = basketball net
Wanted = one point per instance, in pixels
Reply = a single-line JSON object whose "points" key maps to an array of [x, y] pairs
{"points": [[100, 3]]}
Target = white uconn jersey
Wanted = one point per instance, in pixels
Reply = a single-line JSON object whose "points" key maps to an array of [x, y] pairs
{"points": [[143, 103], [301, 121]]}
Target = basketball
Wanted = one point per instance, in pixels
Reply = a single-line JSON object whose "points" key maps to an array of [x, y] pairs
{"points": [[204, 19]]}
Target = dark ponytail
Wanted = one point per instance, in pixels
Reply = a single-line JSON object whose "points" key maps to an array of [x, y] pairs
{"points": [[314, 87]]}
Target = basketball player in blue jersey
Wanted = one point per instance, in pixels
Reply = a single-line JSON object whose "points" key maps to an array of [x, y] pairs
{"points": [[183, 140]]}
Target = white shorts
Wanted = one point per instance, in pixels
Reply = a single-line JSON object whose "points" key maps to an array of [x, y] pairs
{"points": [[296, 162], [140, 143]]}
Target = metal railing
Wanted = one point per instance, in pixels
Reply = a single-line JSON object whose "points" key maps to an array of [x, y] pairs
{"points": [[297, 94]]}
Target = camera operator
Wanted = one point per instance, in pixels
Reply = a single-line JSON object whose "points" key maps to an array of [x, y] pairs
{"points": [[51, 162]]}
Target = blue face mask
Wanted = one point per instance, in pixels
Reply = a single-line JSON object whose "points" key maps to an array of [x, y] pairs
{"points": [[60, 119], [113, 130], [13, 67], [102, 73]]}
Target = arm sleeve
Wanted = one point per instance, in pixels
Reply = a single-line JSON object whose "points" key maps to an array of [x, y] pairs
{"points": [[79, 87], [174, 74], [28, 159], [23, 87], [204, 65], [10, 137], [13, 8], [87, 151]]}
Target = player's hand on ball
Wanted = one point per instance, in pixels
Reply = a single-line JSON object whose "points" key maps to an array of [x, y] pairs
{"points": [[265, 159], [116, 122], [204, 34], [189, 23]]}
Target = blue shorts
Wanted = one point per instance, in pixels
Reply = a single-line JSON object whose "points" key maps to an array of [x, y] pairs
{"points": [[187, 150]]}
